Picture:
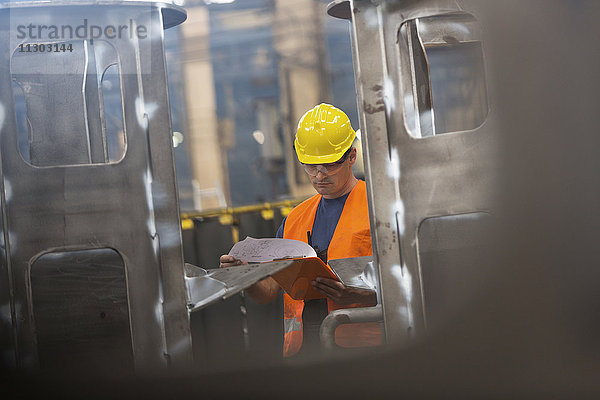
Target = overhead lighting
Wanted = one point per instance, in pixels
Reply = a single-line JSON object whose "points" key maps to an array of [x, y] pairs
{"points": [[259, 137]]}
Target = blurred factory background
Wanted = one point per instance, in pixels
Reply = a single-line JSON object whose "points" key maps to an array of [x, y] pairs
{"points": [[240, 75]]}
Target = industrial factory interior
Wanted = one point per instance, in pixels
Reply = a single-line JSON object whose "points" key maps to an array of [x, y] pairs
{"points": [[294, 199]]}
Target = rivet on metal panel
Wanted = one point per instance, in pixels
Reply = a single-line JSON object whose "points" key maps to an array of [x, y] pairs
{"points": [[267, 214], [187, 224]]}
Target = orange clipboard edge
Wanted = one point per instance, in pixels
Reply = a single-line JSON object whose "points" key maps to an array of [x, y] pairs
{"points": [[296, 280]]}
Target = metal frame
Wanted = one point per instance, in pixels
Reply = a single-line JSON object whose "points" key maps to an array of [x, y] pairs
{"points": [[346, 316], [408, 179], [130, 206]]}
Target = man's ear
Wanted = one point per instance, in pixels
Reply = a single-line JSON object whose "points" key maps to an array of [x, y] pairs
{"points": [[352, 156]]}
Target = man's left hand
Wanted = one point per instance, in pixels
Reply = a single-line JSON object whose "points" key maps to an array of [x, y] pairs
{"points": [[343, 295]]}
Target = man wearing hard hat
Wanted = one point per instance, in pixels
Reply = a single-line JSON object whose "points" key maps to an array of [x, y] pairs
{"points": [[335, 222]]}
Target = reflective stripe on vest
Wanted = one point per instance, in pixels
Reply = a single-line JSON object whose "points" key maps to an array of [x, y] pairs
{"points": [[351, 238], [291, 325]]}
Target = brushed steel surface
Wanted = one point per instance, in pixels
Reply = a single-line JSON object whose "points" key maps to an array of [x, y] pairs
{"points": [[207, 287], [346, 316], [411, 177], [357, 272], [130, 206]]}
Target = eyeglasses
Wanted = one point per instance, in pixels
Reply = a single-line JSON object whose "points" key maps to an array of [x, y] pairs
{"points": [[326, 169]]}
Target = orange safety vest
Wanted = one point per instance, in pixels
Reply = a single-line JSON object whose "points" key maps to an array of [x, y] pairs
{"points": [[352, 238]]}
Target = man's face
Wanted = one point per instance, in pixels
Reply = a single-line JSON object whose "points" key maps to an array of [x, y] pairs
{"points": [[332, 185]]}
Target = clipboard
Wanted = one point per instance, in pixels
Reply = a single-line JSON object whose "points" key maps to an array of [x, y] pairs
{"points": [[296, 279]]}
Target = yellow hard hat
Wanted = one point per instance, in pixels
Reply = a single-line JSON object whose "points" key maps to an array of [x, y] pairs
{"points": [[324, 134]]}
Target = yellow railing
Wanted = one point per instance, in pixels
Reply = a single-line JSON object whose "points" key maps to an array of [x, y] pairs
{"points": [[226, 215]]}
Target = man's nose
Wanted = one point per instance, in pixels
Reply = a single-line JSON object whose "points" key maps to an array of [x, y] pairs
{"points": [[320, 175]]}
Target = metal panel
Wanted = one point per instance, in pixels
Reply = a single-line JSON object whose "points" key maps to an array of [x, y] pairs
{"points": [[357, 272], [408, 179], [207, 287], [130, 206]]}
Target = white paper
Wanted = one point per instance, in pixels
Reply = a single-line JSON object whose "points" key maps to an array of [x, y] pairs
{"points": [[262, 250]]}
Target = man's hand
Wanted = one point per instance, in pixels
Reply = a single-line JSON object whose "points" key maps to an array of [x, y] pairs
{"points": [[262, 292], [230, 261], [343, 295]]}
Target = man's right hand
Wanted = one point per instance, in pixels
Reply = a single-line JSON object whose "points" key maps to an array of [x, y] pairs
{"points": [[230, 261]]}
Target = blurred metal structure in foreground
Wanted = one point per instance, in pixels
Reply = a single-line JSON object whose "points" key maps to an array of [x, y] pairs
{"points": [[428, 146], [91, 271]]}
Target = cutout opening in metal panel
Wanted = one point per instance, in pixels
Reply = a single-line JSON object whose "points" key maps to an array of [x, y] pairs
{"points": [[443, 56], [454, 263], [80, 310], [74, 117], [113, 113]]}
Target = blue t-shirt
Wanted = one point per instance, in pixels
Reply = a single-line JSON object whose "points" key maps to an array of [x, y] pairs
{"points": [[326, 220]]}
